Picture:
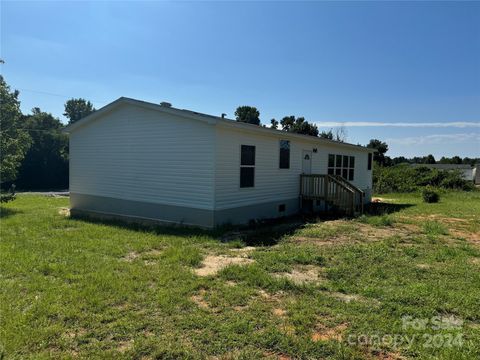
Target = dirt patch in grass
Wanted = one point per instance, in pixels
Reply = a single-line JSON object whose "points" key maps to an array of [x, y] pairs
{"points": [[340, 232], [279, 312], [131, 256], [423, 266], [473, 238], [323, 333], [347, 298], [275, 298], [475, 261], [199, 300], [64, 211], [212, 264], [302, 274], [125, 346]]}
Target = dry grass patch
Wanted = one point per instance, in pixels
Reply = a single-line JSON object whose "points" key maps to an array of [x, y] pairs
{"points": [[347, 298], [212, 264], [125, 346], [64, 211], [199, 300], [323, 333], [131, 256], [473, 238], [279, 312], [303, 274], [341, 232]]}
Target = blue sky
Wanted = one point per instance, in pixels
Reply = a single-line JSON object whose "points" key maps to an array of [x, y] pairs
{"points": [[404, 72]]}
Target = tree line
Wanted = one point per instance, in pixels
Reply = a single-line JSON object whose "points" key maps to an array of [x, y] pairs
{"points": [[381, 159], [33, 149]]}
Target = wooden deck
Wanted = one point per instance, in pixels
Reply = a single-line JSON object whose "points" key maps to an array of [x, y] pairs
{"points": [[334, 190]]}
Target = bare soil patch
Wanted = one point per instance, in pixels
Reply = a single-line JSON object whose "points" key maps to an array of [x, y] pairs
{"points": [[131, 256], [347, 298], [124, 346], [64, 211], [212, 264], [361, 233], [303, 274], [423, 266], [323, 333], [473, 238], [475, 261], [279, 312], [199, 299]]}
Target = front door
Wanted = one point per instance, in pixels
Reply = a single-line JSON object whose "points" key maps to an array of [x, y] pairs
{"points": [[306, 162]]}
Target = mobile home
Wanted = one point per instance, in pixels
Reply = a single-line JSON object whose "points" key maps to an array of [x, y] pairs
{"points": [[143, 161]]}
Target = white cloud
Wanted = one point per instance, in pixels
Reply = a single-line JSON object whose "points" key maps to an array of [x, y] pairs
{"points": [[457, 124], [436, 139]]}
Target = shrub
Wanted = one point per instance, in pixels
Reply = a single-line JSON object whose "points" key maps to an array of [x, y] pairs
{"points": [[405, 178], [430, 196]]}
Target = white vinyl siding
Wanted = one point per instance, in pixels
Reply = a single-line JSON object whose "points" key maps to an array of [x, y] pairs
{"points": [[139, 154], [271, 182]]}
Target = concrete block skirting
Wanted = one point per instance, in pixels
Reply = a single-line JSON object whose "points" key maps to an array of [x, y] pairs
{"points": [[142, 212]]}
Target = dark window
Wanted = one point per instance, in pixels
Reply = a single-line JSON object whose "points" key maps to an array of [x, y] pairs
{"points": [[247, 176], [330, 171], [345, 174], [350, 174], [345, 161], [369, 161], [352, 162], [331, 160], [339, 161], [281, 207], [338, 171], [284, 154], [247, 166], [248, 155]]}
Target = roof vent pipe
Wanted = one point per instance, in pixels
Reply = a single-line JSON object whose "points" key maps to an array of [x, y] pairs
{"points": [[223, 115], [165, 104]]}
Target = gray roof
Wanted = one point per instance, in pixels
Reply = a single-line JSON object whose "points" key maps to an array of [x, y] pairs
{"points": [[206, 118]]}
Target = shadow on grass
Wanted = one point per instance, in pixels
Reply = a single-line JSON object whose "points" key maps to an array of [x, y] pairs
{"points": [[381, 208], [7, 212], [260, 233]]}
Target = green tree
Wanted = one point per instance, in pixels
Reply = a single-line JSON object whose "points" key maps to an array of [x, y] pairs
{"points": [[327, 134], [248, 114], [76, 109], [298, 125], [14, 141], [430, 159], [380, 150], [46, 163], [273, 124]]}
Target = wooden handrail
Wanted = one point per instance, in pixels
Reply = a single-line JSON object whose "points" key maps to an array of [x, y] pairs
{"points": [[332, 189], [361, 193]]}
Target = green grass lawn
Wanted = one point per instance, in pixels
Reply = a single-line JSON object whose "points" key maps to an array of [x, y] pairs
{"points": [[326, 289]]}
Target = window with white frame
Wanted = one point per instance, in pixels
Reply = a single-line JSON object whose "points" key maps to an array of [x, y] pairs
{"points": [[342, 165]]}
